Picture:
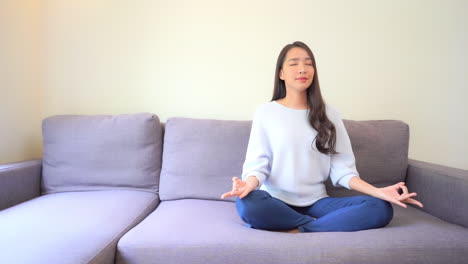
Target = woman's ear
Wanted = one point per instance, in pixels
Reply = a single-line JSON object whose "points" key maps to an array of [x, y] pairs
{"points": [[281, 75]]}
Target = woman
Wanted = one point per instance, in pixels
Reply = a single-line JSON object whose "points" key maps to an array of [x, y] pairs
{"points": [[297, 142]]}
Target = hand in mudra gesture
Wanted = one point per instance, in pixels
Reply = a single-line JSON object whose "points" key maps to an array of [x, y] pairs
{"points": [[391, 194], [241, 188]]}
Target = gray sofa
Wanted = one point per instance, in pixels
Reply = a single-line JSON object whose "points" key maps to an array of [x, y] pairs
{"points": [[128, 189]]}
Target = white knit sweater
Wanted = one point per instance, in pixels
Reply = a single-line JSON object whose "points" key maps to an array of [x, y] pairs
{"points": [[280, 155]]}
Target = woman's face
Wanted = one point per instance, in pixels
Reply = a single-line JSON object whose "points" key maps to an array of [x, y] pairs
{"points": [[297, 72]]}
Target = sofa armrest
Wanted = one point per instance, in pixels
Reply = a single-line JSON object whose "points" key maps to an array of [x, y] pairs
{"points": [[442, 190], [19, 182]]}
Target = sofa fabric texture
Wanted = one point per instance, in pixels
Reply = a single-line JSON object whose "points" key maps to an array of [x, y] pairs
{"points": [[113, 192], [200, 152], [201, 156], [71, 227], [211, 232], [432, 182], [20, 182], [381, 151], [83, 153]]}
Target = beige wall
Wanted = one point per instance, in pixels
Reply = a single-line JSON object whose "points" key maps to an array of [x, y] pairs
{"points": [[20, 81], [399, 59]]}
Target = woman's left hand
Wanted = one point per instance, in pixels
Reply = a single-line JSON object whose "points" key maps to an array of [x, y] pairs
{"points": [[391, 194]]}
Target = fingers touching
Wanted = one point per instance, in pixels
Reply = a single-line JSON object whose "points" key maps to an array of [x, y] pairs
{"points": [[412, 201], [405, 197], [236, 188], [231, 193], [399, 203], [404, 188]]}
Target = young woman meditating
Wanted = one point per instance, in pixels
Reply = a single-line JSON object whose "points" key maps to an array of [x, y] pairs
{"points": [[296, 142]]}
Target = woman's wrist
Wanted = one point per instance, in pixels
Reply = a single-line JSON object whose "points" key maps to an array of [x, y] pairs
{"points": [[253, 181], [357, 184]]}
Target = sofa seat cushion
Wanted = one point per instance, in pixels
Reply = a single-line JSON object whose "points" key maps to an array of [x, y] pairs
{"points": [[207, 231], [73, 227]]}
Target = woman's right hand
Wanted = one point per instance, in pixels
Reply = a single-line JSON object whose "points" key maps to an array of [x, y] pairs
{"points": [[241, 188]]}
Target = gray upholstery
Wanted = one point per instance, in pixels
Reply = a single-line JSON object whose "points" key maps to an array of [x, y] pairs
{"points": [[101, 174], [71, 227], [101, 152], [19, 182], [202, 231], [200, 157], [381, 151], [380, 148], [442, 190], [200, 153]]}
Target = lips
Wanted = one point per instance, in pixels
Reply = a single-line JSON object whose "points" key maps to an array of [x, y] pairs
{"points": [[301, 79]]}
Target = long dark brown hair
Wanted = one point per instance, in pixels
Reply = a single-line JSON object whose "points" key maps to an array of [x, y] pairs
{"points": [[326, 133]]}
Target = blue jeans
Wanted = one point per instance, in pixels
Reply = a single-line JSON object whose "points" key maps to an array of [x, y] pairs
{"points": [[262, 211]]}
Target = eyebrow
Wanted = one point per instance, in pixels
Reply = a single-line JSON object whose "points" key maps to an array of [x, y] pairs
{"points": [[296, 59]]}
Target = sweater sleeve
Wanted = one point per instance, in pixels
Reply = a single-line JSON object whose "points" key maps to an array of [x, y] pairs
{"points": [[343, 164], [258, 156]]}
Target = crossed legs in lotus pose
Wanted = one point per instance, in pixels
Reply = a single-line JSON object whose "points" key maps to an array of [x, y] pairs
{"points": [[330, 214]]}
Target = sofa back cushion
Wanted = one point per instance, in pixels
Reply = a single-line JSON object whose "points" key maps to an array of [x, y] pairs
{"points": [[101, 152], [201, 156], [381, 151]]}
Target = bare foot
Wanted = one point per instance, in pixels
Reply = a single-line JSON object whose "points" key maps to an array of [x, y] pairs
{"points": [[294, 231]]}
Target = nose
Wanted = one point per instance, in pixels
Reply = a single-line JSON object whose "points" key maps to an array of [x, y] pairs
{"points": [[302, 69]]}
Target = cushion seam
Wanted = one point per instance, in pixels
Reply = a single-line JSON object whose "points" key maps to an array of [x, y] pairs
{"points": [[124, 231]]}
